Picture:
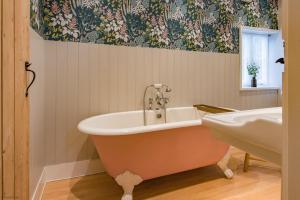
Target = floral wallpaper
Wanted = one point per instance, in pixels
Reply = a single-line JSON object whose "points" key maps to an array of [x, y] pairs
{"points": [[197, 25]]}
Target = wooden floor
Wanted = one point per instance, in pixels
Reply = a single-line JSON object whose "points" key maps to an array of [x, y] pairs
{"points": [[262, 182]]}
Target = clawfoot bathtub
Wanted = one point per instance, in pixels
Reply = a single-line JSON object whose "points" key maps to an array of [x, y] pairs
{"points": [[131, 152]]}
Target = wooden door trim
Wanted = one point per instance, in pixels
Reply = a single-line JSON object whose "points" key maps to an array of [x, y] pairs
{"points": [[13, 103], [21, 102], [1, 170], [8, 98]]}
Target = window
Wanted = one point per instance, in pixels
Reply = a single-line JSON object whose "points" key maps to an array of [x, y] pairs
{"points": [[255, 50], [261, 47]]}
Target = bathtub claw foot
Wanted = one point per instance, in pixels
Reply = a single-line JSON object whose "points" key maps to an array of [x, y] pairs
{"points": [[228, 173], [128, 180], [223, 164], [127, 197]]}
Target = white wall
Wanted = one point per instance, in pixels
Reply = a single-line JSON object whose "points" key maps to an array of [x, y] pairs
{"points": [[37, 95], [89, 79]]}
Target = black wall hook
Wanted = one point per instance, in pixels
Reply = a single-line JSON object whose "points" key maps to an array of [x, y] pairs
{"points": [[280, 60], [27, 66]]}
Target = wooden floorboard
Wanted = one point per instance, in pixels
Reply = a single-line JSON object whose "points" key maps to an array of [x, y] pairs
{"points": [[262, 182]]}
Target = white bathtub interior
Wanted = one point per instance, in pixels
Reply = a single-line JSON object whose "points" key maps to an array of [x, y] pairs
{"points": [[132, 122]]}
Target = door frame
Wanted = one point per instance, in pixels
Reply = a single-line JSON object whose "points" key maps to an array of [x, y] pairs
{"points": [[291, 107], [14, 142]]}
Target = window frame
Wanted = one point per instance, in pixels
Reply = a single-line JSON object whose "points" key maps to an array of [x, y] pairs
{"points": [[254, 30]]}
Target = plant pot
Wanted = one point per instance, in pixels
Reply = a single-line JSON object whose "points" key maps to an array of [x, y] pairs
{"points": [[253, 82]]}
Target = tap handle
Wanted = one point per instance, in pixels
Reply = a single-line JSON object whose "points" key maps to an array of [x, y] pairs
{"points": [[150, 103], [167, 100]]}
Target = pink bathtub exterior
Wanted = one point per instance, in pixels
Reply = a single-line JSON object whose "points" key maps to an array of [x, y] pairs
{"points": [[159, 153]]}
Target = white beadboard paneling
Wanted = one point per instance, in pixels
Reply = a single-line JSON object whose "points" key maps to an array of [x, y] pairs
{"points": [[94, 77], [84, 75], [103, 80], [131, 73], [61, 114], [37, 93], [89, 79], [122, 80], [139, 79], [51, 94], [72, 75], [70, 170], [156, 56]]}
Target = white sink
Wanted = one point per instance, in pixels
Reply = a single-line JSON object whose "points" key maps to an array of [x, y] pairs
{"points": [[258, 132]]}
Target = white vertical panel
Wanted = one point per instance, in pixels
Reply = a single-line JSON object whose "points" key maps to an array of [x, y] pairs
{"points": [[131, 74], [113, 78], [123, 79], [94, 76], [199, 73], [139, 81], [156, 65], [72, 75], [61, 101], [103, 80], [184, 78], [148, 66], [84, 75], [175, 83], [189, 78], [163, 65], [51, 59], [84, 96], [37, 116]]}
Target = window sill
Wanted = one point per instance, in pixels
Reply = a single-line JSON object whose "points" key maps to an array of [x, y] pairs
{"points": [[259, 88]]}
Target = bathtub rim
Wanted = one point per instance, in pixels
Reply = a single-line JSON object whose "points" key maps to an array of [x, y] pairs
{"points": [[135, 130]]}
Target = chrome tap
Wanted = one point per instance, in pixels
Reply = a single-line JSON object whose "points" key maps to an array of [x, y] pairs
{"points": [[160, 100]]}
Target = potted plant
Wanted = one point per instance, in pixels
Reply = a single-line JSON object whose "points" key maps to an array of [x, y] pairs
{"points": [[253, 70]]}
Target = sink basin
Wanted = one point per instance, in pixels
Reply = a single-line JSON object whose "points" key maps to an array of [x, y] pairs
{"points": [[258, 132]]}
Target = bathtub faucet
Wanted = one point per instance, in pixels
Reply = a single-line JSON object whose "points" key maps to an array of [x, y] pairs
{"points": [[160, 99]]}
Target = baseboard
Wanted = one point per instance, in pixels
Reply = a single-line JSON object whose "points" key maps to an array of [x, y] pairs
{"points": [[66, 171], [72, 170], [38, 192]]}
